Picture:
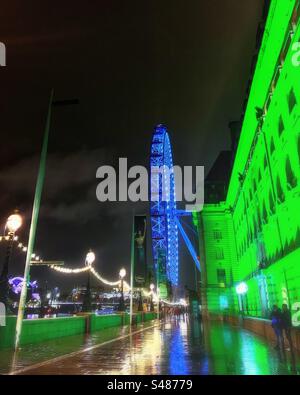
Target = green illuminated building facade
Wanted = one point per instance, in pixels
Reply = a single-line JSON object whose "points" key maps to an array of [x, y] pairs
{"points": [[252, 235]]}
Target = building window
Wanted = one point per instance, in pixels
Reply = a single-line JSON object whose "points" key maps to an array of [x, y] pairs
{"points": [[254, 186], [258, 221], [264, 214], [280, 126], [292, 101], [217, 234], [290, 175], [280, 193], [219, 253], [265, 162], [221, 276], [259, 176]]}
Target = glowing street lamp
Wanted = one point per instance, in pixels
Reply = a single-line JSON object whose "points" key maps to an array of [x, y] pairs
{"points": [[90, 258], [13, 223], [122, 274], [241, 290]]}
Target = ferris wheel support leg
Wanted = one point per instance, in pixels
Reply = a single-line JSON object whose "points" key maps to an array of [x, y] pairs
{"points": [[188, 244]]}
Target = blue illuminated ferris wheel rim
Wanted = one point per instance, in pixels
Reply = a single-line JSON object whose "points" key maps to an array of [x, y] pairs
{"points": [[163, 213]]}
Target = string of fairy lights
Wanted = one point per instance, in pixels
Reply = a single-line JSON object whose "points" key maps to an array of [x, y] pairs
{"points": [[103, 280], [68, 270], [94, 272], [15, 221], [88, 267], [180, 303], [22, 247]]}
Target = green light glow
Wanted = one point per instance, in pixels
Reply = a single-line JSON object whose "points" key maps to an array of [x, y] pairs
{"points": [[254, 236]]}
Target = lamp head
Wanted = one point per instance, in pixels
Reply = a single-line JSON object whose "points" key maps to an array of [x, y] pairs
{"points": [[241, 288], [14, 222], [90, 258], [122, 273]]}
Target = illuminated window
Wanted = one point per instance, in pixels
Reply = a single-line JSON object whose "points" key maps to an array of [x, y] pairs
{"points": [[292, 101], [290, 175], [221, 276], [223, 302]]}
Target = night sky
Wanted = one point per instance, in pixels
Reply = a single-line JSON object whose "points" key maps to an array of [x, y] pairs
{"points": [[132, 65]]}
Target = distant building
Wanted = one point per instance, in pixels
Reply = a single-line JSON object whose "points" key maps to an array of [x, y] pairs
{"points": [[216, 182], [250, 225]]}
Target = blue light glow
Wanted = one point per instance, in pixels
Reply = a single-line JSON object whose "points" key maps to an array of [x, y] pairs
{"points": [[163, 213]]}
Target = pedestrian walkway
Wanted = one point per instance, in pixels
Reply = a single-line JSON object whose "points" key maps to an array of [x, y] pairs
{"points": [[177, 346], [38, 353]]}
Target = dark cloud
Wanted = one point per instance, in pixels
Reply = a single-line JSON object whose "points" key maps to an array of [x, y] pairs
{"points": [[70, 182]]}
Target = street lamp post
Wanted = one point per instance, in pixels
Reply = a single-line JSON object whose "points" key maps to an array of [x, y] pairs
{"points": [[13, 223], [35, 214], [87, 300], [241, 290], [122, 274], [152, 286], [140, 302]]}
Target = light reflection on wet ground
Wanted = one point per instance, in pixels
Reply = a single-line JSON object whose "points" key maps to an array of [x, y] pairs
{"points": [[173, 347], [39, 352]]}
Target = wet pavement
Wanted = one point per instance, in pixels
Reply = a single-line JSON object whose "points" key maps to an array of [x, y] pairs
{"points": [[172, 347]]}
